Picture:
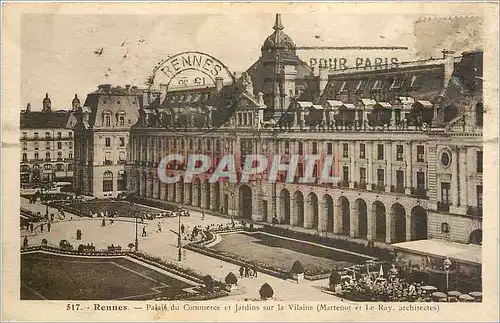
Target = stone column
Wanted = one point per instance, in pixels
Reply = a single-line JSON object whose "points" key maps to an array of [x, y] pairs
{"points": [[354, 217], [155, 188], [294, 219], [372, 224], [308, 214], [463, 177], [388, 226], [408, 223], [369, 158], [322, 216], [352, 167], [388, 169], [186, 193], [454, 177], [337, 217], [408, 171]]}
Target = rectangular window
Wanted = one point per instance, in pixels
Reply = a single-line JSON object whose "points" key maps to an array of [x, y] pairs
{"points": [[47, 145], [345, 150], [380, 151], [70, 145], [25, 135], [479, 161], [345, 173], [315, 148], [301, 148], [107, 142], [70, 167], [421, 180], [107, 121], [70, 155], [25, 156], [47, 156], [59, 167], [35, 135], [47, 135], [362, 151], [25, 145], [287, 147], [36, 156], [479, 193], [380, 177], [122, 141], [59, 135], [420, 153], [122, 121], [329, 148], [59, 145], [362, 175], [70, 134], [36, 145], [400, 179], [399, 152], [59, 154]]}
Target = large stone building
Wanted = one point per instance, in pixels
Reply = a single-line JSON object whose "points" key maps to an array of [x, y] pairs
{"points": [[406, 143], [47, 144], [101, 139]]}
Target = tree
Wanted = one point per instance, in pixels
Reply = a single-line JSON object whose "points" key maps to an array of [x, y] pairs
{"points": [[334, 279], [231, 279], [266, 291], [63, 243], [44, 242], [131, 245], [208, 282], [297, 268]]}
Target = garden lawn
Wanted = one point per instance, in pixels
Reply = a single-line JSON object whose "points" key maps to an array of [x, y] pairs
{"points": [[282, 253], [124, 208], [57, 277]]}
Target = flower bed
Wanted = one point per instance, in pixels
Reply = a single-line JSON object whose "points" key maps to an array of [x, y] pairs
{"points": [[331, 242]]}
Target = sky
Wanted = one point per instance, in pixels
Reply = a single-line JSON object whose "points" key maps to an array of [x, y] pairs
{"points": [[58, 50]]}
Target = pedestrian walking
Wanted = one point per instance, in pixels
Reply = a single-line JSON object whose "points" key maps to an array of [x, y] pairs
{"points": [[52, 217], [31, 227], [48, 226], [159, 227], [203, 215], [255, 271], [144, 232], [41, 227], [103, 224], [246, 271], [25, 242], [241, 271], [182, 229]]}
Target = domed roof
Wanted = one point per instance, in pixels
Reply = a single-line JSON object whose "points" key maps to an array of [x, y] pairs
{"points": [[278, 39]]}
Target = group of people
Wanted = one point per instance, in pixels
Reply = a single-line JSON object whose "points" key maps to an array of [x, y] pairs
{"points": [[248, 272]]}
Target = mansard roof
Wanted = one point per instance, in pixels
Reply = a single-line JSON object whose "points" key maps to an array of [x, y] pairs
{"points": [[44, 120]]}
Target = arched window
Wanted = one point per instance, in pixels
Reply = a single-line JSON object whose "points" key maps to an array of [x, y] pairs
{"points": [[120, 118], [122, 181], [107, 182], [106, 118]]}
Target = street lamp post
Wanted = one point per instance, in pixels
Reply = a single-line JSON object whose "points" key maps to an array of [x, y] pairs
{"points": [[447, 266], [203, 190], [232, 199], [44, 191]]}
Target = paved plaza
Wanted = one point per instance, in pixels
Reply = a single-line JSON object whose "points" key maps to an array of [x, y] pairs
{"points": [[164, 244]]}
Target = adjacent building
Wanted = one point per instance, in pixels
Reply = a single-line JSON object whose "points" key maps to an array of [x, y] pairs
{"points": [[47, 144], [101, 139]]}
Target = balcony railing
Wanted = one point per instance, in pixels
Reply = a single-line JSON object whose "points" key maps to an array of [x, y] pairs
{"points": [[361, 185], [47, 159], [475, 210], [107, 163], [343, 183], [445, 207], [419, 191], [398, 188], [378, 187]]}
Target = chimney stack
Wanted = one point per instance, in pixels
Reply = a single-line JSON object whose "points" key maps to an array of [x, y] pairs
{"points": [[219, 82]]}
